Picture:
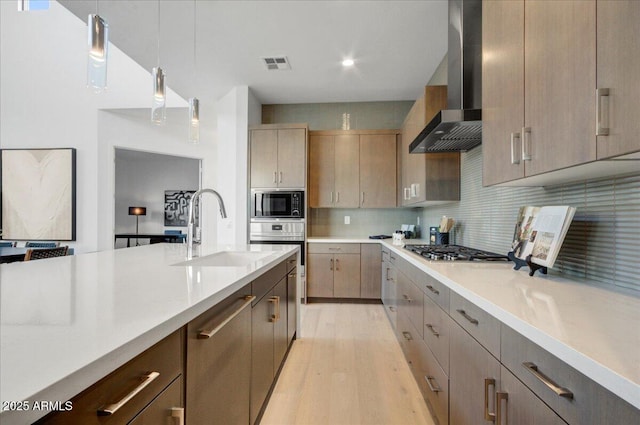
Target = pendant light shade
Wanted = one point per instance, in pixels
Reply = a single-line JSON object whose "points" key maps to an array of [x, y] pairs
{"points": [[194, 120], [158, 108], [98, 37]]}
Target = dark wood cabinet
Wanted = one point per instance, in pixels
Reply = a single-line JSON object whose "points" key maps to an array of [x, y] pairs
{"points": [[219, 362]]}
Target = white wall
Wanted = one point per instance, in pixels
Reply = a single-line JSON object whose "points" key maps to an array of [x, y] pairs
{"points": [[45, 103], [236, 111]]}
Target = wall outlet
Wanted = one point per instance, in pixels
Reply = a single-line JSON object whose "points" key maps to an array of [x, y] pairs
{"points": [[418, 220], [347, 219]]}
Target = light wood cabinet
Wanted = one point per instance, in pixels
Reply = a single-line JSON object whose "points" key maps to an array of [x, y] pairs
{"points": [[370, 278], [540, 107], [473, 374], [334, 171], [278, 157], [352, 169], [618, 57], [431, 176], [389, 288], [219, 362], [377, 176], [292, 306], [333, 275]]}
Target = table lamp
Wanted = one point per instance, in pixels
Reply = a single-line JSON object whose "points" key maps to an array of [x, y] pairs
{"points": [[137, 211]]}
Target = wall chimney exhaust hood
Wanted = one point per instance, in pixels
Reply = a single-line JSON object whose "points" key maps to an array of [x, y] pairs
{"points": [[459, 128]]}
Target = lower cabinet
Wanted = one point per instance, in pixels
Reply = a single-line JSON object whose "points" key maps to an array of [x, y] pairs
{"points": [[219, 362], [144, 387], [344, 270], [473, 374], [269, 325]]}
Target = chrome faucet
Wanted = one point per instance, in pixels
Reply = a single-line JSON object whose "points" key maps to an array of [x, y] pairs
{"points": [[191, 225]]}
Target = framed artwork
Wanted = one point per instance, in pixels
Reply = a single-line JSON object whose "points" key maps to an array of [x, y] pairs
{"points": [[176, 207], [38, 194]]}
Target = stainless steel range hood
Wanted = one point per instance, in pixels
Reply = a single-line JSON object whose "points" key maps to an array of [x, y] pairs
{"points": [[459, 128]]}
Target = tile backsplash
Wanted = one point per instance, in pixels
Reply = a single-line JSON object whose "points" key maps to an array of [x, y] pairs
{"points": [[602, 243], [363, 222]]}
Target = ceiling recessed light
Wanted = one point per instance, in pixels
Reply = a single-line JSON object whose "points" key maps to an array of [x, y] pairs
{"points": [[347, 63]]}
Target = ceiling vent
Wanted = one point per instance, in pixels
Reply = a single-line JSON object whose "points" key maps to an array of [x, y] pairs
{"points": [[276, 63]]}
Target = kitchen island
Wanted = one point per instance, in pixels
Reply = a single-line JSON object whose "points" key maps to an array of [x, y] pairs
{"points": [[68, 322]]}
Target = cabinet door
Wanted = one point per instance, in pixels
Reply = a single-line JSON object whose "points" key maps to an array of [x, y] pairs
{"points": [[219, 367], [618, 41], [264, 158], [292, 306], [471, 369], [378, 171], [346, 276], [262, 353], [320, 275], [165, 408], [280, 340], [292, 157], [502, 90], [321, 171], [520, 405], [347, 171], [413, 166], [370, 278], [560, 76]]}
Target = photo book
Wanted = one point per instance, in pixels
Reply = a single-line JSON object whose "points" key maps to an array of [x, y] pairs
{"points": [[540, 231]]}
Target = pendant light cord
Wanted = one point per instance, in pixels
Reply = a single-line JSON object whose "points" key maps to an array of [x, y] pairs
{"points": [[97, 8], [195, 64], [158, 33]]}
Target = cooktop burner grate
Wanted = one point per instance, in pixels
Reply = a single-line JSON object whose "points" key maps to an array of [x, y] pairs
{"points": [[454, 253]]}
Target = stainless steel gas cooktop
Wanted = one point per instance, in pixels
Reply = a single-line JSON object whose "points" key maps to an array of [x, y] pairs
{"points": [[454, 253]]}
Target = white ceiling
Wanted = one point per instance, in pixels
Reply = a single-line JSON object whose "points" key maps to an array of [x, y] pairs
{"points": [[396, 45]]}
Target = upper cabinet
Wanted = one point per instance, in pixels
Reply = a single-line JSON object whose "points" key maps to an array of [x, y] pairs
{"points": [[539, 104], [430, 176], [278, 156], [618, 52], [352, 169]]}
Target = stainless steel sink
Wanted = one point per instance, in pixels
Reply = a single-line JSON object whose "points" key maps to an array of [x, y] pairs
{"points": [[227, 259]]}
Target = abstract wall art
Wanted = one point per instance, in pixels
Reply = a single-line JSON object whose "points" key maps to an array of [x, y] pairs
{"points": [[176, 207], [38, 194]]}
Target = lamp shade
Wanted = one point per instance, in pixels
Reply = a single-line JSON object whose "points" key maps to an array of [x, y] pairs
{"points": [[137, 211]]}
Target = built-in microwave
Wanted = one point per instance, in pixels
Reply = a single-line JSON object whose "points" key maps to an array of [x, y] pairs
{"points": [[277, 204]]}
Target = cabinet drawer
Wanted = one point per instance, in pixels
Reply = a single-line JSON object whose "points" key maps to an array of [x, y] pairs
{"points": [[164, 359], [267, 281], [546, 376], [436, 332], [292, 262], [480, 324], [385, 254], [410, 302], [434, 383], [166, 408], [435, 290], [334, 248]]}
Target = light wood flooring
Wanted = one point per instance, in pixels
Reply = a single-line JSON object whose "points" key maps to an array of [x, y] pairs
{"points": [[347, 369]]}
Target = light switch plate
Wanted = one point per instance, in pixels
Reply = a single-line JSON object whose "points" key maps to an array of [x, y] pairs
{"points": [[347, 219]]}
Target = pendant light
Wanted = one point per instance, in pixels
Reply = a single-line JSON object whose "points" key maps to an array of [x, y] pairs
{"points": [[98, 37], [159, 102], [194, 103], [23, 5]]}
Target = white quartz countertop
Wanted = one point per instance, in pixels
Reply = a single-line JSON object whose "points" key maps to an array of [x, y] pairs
{"points": [[67, 322], [593, 329]]}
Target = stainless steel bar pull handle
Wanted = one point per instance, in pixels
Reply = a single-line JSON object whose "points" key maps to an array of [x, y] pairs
{"points": [[526, 144], [275, 177], [406, 193], [206, 334], [435, 389], [407, 336], [433, 330], [602, 112], [515, 155], [332, 197], [177, 414], [337, 197], [466, 316], [337, 265], [392, 309], [110, 409], [331, 264], [500, 396], [561, 391], [488, 416], [280, 176], [406, 297], [432, 289], [362, 201]]}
